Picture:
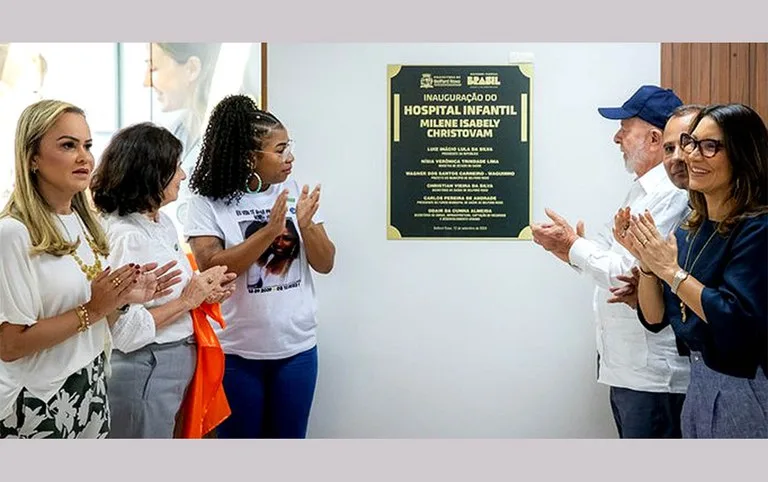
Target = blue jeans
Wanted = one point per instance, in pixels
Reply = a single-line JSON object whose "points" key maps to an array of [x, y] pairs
{"points": [[269, 398]]}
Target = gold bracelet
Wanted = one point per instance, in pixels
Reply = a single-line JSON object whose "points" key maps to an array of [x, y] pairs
{"points": [[647, 274], [82, 314]]}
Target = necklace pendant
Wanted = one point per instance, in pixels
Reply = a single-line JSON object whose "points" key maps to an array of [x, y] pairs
{"points": [[90, 272], [682, 311]]}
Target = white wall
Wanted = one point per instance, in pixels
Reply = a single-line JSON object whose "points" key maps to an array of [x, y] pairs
{"points": [[455, 338]]}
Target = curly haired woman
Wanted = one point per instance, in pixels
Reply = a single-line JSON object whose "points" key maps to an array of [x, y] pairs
{"points": [[241, 183]]}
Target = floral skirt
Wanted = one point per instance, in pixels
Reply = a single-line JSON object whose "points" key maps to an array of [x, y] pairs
{"points": [[78, 410]]}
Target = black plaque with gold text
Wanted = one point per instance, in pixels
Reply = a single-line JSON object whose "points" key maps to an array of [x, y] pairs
{"points": [[459, 151]]}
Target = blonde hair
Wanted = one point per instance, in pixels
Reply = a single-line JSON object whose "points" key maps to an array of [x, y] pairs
{"points": [[26, 204]]}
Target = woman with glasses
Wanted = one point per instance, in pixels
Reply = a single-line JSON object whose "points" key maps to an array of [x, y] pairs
{"points": [[241, 217], [709, 280]]}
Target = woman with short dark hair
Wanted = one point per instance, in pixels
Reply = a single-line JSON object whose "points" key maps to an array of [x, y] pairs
{"points": [[155, 354]]}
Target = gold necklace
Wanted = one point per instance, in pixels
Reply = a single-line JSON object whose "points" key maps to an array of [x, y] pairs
{"points": [[683, 307], [92, 271]]}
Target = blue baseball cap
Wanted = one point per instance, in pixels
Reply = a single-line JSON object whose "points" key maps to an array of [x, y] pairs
{"points": [[650, 103]]}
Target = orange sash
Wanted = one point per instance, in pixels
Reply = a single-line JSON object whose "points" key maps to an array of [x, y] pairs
{"points": [[205, 405]]}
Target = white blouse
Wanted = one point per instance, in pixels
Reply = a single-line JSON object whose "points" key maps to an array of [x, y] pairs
{"points": [[134, 238], [38, 287]]}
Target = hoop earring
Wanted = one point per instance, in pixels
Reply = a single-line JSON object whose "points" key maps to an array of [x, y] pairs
{"points": [[248, 183]]}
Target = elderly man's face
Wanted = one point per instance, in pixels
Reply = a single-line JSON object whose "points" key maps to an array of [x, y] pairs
{"points": [[634, 139]]}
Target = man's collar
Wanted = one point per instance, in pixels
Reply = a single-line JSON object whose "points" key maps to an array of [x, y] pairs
{"points": [[652, 178]]}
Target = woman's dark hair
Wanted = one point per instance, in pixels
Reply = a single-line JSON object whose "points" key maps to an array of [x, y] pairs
{"points": [[135, 168], [745, 139], [235, 130]]}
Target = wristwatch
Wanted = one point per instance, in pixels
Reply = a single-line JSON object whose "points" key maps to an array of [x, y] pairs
{"points": [[680, 276]]}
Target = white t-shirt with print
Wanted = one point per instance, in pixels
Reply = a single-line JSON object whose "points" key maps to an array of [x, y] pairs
{"points": [[42, 286], [271, 315]]}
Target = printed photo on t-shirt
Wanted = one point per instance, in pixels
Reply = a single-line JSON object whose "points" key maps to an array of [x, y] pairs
{"points": [[279, 268]]}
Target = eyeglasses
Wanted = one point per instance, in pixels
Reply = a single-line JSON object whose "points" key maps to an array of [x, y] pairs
{"points": [[707, 147], [286, 152]]}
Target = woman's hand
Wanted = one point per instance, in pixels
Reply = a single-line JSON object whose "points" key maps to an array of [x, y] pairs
{"points": [[276, 223], [656, 254], [149, 285], [111, 290], [166, 280], [307, 206], [202, 285], [224, 291]]}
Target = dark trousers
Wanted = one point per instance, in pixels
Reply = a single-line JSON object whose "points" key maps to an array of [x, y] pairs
{"points": [[646, 414]]}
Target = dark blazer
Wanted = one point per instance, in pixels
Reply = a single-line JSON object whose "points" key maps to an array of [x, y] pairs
{"points": [[734, 271]]}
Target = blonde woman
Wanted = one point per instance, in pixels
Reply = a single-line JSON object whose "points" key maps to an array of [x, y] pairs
{"points": [[55, 293]]}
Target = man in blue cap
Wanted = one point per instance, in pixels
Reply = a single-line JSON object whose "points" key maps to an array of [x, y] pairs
{"points": [[646, 376]]}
